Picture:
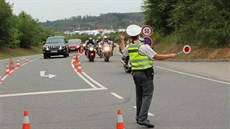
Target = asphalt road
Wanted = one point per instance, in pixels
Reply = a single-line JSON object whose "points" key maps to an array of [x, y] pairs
{"points": [[183, 99]]}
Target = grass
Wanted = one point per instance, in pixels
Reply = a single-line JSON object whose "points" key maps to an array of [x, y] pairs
{"points": [[196, 52], [162, 47], [7, 52]]}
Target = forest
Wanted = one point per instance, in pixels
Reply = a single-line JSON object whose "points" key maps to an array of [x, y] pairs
{"points": [[203, 23], [19, 31], [105, 21]]}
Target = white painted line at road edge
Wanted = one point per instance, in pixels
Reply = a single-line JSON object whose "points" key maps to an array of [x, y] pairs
{"points": [[116, 95], [82, 77], [149, 114], [89, 78], [196, 76], [93, 80], [46, 92], [4, 77]]}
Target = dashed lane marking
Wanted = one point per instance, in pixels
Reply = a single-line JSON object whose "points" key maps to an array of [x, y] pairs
{"points": [[116, 95], [149, 114]]}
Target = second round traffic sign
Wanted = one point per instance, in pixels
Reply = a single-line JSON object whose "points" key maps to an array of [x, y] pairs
{"points": [[147, 31], [148, 41]]}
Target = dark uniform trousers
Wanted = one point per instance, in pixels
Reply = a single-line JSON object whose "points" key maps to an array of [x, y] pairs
{"points": [[143, 80]]}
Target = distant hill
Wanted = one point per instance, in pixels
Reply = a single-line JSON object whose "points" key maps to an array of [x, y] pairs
{"points": [[105, 21]]}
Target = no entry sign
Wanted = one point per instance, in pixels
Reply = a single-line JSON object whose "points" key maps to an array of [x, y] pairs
{"points": [[147, 31]]}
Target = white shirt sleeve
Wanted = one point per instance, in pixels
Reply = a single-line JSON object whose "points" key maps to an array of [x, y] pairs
{"points": [[125, 51], [147, 50]]}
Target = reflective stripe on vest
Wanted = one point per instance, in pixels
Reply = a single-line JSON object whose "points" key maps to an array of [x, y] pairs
{"points": [[138, 62]]}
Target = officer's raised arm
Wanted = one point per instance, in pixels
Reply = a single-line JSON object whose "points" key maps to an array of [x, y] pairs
{"points": [[122, 39]]}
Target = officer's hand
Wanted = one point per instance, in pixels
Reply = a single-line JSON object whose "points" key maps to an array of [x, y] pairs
{"points": [[173, 55], [122, 36]]}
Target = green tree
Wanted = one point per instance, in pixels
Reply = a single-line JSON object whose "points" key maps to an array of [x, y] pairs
{"points": [[5, 22], [29, 31], [107, 21], [202, 22], [13, 41], [157, 14]]}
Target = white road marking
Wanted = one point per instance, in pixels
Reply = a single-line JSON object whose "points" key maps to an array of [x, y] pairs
{"points": [[4, 77], [116, 95], [94, 88], [42, 74], [47, 92], [196, 76], [88, 78], [149, 114], [88, 82], [93, 80]]}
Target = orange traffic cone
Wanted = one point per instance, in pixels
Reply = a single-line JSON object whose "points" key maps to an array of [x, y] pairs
{"points": [[18, 63], [27, 60], [75, 60], [7, 70], [11, 63], [26, 121], [120, 122], [79, 69]]}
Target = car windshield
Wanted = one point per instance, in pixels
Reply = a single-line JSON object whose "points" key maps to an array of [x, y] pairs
{"points": [[55, 40], [74, 41]]}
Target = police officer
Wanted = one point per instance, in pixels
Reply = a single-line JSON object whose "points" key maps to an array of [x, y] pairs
{"points": [[141, 57]]}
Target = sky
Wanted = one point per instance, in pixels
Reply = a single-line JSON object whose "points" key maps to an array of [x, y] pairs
{"points": [[51, 10]]}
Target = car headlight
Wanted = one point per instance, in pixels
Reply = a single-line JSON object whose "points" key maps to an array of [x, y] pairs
{"points": [[61, 47], [99, 46], [45, 47], [106, 48], [91, 49]]}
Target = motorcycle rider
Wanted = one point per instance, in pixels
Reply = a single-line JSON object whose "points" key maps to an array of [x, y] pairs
{"points": [[90, 41], [98, 40], [109, 41], [141, 57]]}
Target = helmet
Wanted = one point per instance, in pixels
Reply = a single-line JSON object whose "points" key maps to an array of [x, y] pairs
{"points": [[105, 37], [133, 30]]}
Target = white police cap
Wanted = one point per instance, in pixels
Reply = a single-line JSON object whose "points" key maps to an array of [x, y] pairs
{"points": [[133, 30]]}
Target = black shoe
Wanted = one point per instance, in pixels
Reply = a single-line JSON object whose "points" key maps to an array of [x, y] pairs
{"points": [[146, 123]]}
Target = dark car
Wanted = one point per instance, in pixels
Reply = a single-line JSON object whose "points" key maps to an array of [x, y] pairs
{"points": [[75, 45], [55, 45]]}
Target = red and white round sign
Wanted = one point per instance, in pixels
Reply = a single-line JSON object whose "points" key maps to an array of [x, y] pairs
{"points": [[186, 49], [147, 31]]}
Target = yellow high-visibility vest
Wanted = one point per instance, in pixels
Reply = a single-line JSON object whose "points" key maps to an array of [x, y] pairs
{"points": [[138, 62]]}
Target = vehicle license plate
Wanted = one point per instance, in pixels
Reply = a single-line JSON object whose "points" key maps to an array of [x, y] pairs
{"points": [[53, 51]]}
